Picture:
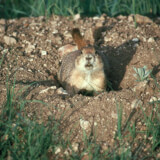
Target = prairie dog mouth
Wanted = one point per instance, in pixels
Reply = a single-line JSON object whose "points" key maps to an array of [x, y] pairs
{"points": [[88, 66]]}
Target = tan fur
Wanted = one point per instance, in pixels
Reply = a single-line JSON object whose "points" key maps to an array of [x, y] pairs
{"points": [[91, 82], [83, 69]]}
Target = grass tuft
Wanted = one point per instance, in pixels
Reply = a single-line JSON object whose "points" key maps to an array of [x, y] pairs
{"points": [[21, 138]]}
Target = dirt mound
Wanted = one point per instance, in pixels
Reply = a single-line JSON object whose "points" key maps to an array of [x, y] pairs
{"points": [[29, 47]]}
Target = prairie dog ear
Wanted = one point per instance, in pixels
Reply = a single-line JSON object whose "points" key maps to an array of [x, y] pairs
{"points": [[78, 39]]}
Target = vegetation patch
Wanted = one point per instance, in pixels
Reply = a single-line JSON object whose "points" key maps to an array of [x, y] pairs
{"points": [[21, 8]]}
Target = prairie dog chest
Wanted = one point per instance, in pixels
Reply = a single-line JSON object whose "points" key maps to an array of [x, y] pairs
{"points": [[87, 80]]}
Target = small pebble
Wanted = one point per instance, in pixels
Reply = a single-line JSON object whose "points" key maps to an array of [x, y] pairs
{"points": [[57, 150], [135, 40], [84, 124], [151, 39], [61, 91], [77, 17], [9, 40], [43, 53]]}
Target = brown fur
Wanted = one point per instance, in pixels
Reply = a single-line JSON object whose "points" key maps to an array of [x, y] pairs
{"points": [[78, 39]]}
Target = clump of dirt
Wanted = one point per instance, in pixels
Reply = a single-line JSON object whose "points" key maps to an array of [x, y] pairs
{"points": [[29, 48]]}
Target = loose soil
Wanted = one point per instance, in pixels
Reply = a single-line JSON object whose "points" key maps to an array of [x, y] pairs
{"points": [[31, 57]]}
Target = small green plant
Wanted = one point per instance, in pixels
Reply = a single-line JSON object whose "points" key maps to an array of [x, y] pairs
{"points": [[134, 13], [142, 73], [21, 138], [153, 127], [119, 121]]}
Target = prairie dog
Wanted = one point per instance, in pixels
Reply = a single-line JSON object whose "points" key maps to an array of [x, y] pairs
{"points": [[84, 69]]}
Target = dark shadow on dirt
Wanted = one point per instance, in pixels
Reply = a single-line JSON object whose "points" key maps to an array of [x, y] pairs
{"points": [[156, 70], [118, 59]]}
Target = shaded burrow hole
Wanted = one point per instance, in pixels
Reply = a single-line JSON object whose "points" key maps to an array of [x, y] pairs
{"points": [[119, 58]]}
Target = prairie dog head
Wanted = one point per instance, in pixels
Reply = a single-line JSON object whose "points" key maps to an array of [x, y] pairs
{"points": [[88, 61]]}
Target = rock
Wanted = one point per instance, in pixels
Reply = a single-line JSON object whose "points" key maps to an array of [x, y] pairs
{"points": [[135, 45], [114, 115], [14, 34], [2, 28], [107, 39], [77, 17], [130, 18], [140, 19], [4, 51], [158, 156], [9, 40], [84, 124], [2, 21], [144, 39], [99, 24], [66, 152], [135, 40], [95, 18], [58, 40], [151, 40], [62, 106], [31, 59], [66, 49], [43, 53], [75, 147], [102, 17], [46, 90], [153, 99], [135, 103], [140, 87], [30, 48], [55, 31], [44, 65], [57, 150], [121, 17], [61, 91], [67, 35]]}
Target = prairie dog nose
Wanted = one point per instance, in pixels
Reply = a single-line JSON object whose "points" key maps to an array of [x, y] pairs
{"points": [[88, 58]]}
